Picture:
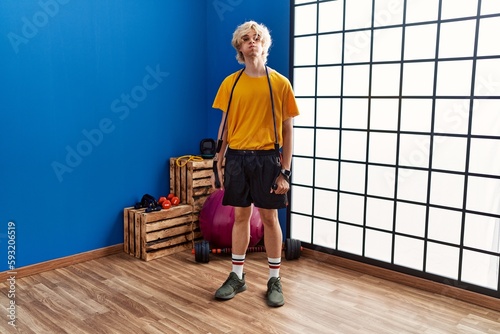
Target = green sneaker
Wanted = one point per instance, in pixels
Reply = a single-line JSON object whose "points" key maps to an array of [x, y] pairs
{"points": [[274, 294], [231, 287]]}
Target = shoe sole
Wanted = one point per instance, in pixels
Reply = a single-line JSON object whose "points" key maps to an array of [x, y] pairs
{"points": [[269, 303], [243, 288]]}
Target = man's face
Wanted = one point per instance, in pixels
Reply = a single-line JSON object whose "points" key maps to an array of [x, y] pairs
{"points": [[251, 44]]}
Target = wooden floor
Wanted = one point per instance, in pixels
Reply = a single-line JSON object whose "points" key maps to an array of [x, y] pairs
{"points": [[174, 294]]}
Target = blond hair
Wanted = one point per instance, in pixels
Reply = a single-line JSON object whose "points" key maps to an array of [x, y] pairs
{"points": [[244, 29]]}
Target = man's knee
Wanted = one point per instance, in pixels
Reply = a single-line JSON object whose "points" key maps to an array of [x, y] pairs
{"points": [[242, 215], [269, 217]]}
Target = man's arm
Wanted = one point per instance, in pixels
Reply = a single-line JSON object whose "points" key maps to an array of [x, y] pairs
{"points": [[286, 161], [282, 185], [219, 156]]}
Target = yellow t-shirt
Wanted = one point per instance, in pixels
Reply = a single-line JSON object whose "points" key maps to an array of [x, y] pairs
{"points": [[250, 123]]}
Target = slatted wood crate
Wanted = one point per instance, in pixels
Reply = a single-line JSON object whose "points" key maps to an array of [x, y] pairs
{"points": [[129, 235], [155, 234], [191, 181]]}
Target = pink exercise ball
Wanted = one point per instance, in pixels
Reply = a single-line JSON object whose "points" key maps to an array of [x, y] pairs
{"points": [[217, 220]]}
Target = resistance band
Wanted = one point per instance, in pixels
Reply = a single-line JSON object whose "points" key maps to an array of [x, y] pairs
{"points": [[220, 141]]}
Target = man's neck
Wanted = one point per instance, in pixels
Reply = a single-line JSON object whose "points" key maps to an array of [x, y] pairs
{"points": [[255, 67]]}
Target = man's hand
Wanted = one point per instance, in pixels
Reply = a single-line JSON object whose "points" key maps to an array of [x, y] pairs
{"points": [[282, 185], [217, 183]]}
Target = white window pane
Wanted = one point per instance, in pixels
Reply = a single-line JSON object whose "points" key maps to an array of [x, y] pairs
{"points": [[449, 153], [331, 16], [387, 44], [330, 49], [488, 31], [409, 252], [352, 177], [388, 12], [358, 14], [458, 8], [414, 150], [385, 80], [445, 225], [421, 10], [454, 78], [304, 81], [304, 50], [381, 181], [490, 7], [325, 204], [305, 19], [382, 148], [412, 185], [353, 145], [416, 115], [384, 114], [378, 245], [350, 239], [327, 112], [303, 171], [327, 144], [480, 269], [351, 209], [410, 219], [487, 74], [447, 189], [456, 39], [302, 200], [379, 213], [356, 80], [483, 195], [329, 81], [325, 233], [418, 79], [486, 118], [452, 116], [300, 227], [303, 142], [442, 260], [325, 174], [306, 107], [420, 42], [357, 46], [485, 156], [355, 114], [482, 232]]}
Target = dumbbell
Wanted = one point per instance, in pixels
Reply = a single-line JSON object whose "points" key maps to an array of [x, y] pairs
{"points": [[201, 250]]}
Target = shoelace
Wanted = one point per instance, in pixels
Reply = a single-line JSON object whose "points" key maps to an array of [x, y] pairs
{"points": [[234, 282], [276, 285]]}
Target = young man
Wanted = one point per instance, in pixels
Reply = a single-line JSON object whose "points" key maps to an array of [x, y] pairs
{"points": [[258, 105]]}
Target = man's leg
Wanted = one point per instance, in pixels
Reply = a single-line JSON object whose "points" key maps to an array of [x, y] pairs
{"points": [[240, 238], [241, 229], [273, 238], [235, 283]]}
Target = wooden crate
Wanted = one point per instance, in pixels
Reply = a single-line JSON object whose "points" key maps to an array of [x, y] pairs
{"points": [[155, 234], [191, 181], [129, 239]]}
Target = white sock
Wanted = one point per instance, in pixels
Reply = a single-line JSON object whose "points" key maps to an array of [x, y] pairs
{"points": [[274, 266], [238, 262]]}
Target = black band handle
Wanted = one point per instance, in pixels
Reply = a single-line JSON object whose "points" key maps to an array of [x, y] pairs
{"points": [[216, 175]]}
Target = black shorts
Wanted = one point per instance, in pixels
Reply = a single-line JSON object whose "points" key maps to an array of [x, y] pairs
{"points": [[248, 178]]}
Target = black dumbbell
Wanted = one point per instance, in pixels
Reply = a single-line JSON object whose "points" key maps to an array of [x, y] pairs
{"points": [[292, 247]]}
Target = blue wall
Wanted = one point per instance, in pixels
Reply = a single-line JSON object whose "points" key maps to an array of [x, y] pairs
{"points": [[96, 96]]}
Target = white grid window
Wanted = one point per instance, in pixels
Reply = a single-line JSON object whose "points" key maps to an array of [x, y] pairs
{"points": [[396, 159]]}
